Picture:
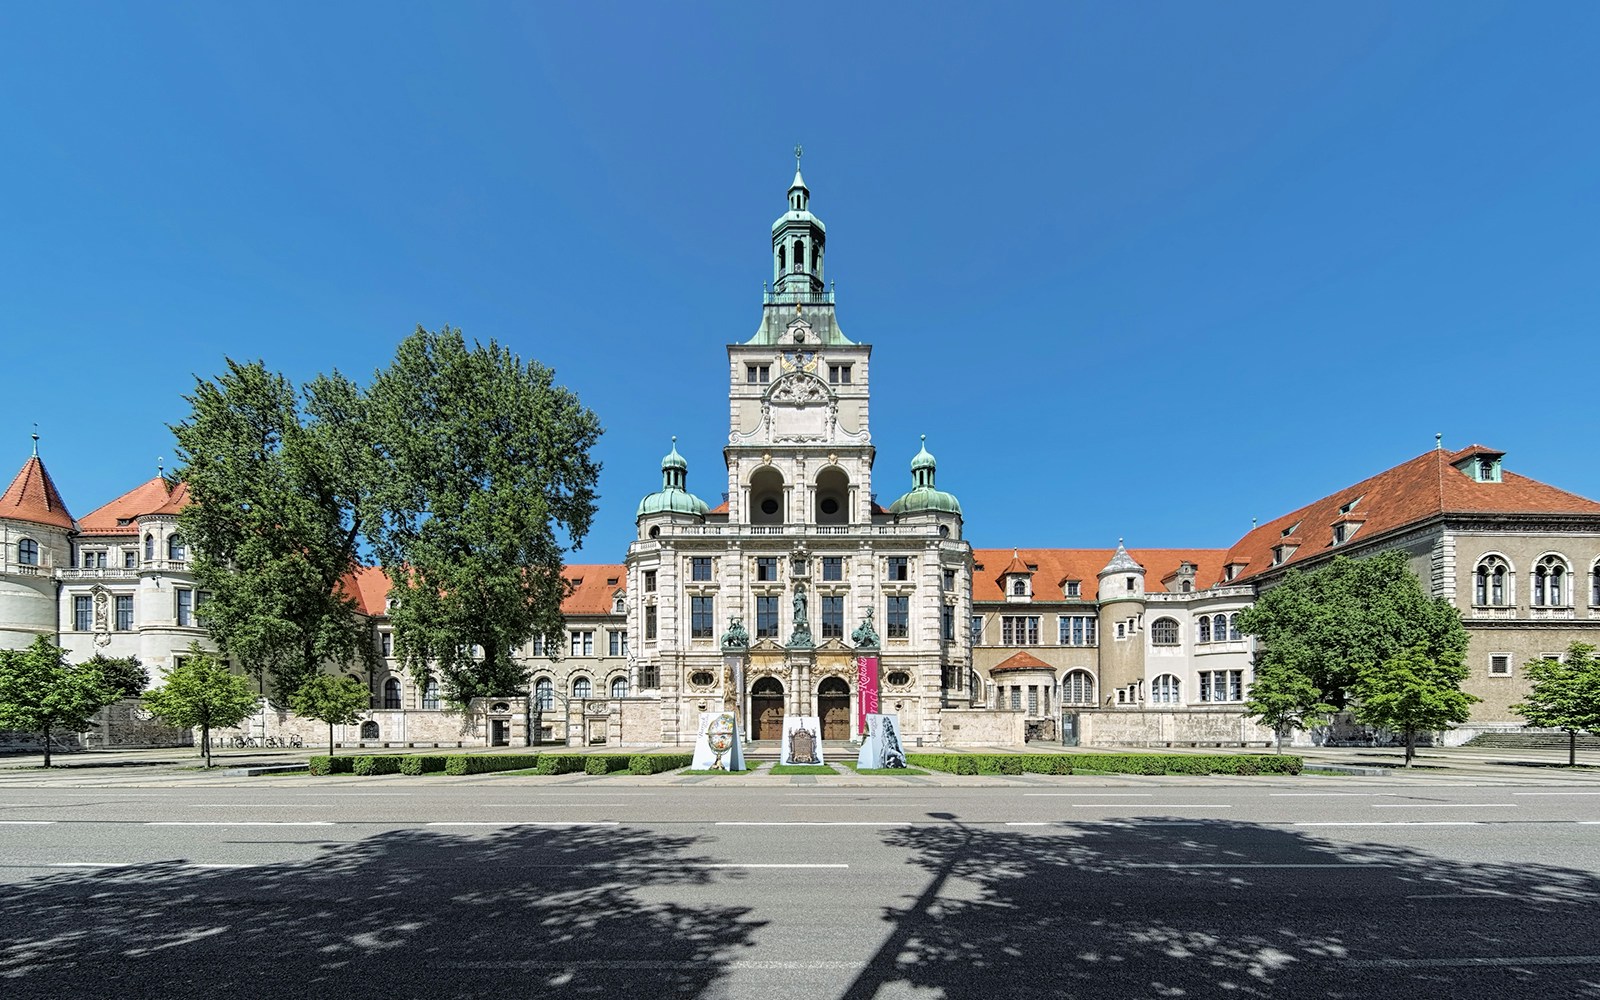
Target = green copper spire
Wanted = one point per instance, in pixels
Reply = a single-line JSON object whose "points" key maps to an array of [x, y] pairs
{"points": [[673, 497], [923, 496]]}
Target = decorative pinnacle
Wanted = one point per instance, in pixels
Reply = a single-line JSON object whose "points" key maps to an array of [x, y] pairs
{"points": [[1438, 442], [35, 440], [798, 151]]}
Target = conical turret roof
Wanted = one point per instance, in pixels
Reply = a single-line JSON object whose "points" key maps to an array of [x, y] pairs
{"points": [[1121, 562], [33, 497]]}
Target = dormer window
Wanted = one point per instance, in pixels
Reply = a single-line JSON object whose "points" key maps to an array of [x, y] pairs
{"points": [[1338, 534], [1073, 588], [1290, 529], [1482, 466]]}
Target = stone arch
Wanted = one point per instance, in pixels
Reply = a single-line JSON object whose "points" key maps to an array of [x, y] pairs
{"points": [[832, 498], [767, 499]]}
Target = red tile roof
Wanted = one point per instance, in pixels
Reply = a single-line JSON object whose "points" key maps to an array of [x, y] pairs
{"points": [[1020, 661], [591, 596], [1057, 566], [1424, 487], [33, 497], [150, 497]]}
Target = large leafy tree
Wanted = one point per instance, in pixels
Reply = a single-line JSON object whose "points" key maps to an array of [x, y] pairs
{"points": [[338, 701], [201, 692], [1565, 695], [486, 481], [1284, 699], [41, 693], [122, 676], [1414, 692], [276, 479], [1331, 624]]}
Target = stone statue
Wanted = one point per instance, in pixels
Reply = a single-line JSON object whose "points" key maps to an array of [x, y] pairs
{"points": [[736, 637], [865, 636], [800, 607], [801, 638]]}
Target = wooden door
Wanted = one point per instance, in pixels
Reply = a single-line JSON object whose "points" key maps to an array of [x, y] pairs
{"points": [[768, 714], [835, 712]]}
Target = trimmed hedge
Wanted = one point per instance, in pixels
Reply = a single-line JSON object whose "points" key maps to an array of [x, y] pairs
{"points": [[483, 763], [655, 763], [606, 763], [323, 764], [560, 763], [377, 764], [422, 764], [1122, 763]]}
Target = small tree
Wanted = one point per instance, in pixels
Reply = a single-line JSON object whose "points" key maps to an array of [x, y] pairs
{"points": [[122, 675], [41, 693], [1414, 692], [334, 700], [1284, 698], [1565, 695], [202, 692]]}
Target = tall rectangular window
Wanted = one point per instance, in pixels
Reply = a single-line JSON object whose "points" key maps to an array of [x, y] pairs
{"points": [[82, 613], [949, 579], [386, 643], [899, 618], [766, 568], [757, 374], [583, 643], [700, 567], [649, 581], [130, 559], [124, 612], [1019, 630], [977, 629], [947, 623], [185, 606], [767, 617], [617, 643], [839, 374], [833, 617], [649, 621], [899, 567], [702, 617], [1221, 685], [1033, 699], [832, 568]]}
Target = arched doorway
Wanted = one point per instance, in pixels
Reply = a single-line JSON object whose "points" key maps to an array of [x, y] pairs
{"points": [[832, 497], [766, 496], [833, 705], [766, 709]]}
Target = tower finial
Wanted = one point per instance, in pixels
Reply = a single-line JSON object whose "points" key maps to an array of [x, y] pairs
{"points": [[1438, 442], [36, 439], [161, 466], [799, 150]]}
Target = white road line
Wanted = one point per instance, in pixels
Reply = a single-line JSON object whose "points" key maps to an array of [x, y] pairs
{"points": [[1086, 795], [26, 822], [257, 805], [526, 822], [1144, 805], [1328, 795], [240, 822], [352, 795], [1260, 864], [1444, 805], [804, 823], [860, 805], [1589, 822], [1027, 824], [1401, 822], [91, 864], [1555, 793], [1471, 960]]}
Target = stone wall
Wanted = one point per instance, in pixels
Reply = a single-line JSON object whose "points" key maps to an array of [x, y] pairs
{"points": [[982, 727], [1138, 728]]}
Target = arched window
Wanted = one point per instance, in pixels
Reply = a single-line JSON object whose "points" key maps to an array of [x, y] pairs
{"points": [[1219, 628], [1204, 634], [799, 256], [582, 688], [430, 695], [1233, 628], [1187, 587], [783, 257], [1594, 585], [1550, 582], [544, 694], [1019, 588], [176, 550], [391, 693], [27, 552], [149, 548], [1077, 688], [1164, 690], [369, 730], [619, 687], [1164, 632], [1489, 582]]}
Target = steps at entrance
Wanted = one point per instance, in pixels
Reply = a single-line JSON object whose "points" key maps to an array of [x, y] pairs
{"points": [[1532, 741], [833, 751]]}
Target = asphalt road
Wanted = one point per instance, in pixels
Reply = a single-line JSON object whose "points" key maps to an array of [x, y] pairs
{"points": [[506, 887]]}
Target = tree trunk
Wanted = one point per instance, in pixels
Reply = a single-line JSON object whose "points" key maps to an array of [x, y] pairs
{"points": [[47, 745], [1280, 741], [1572, 748], [330, 739], [205, 742], [1411, 745]]}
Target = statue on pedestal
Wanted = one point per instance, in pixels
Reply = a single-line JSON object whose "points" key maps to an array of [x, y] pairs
{"points": [[801, 637], [736, 637], [865, 636]]}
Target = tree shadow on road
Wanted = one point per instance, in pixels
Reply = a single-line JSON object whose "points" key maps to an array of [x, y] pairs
{"points": [[586, 912], [1211, 909]]}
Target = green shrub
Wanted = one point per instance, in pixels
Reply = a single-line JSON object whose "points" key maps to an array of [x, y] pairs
{"points": [[422, 764], [377, 764], [605, 763], [483, 763], [1120, 763], [560, 763], [655, 763], [323, 764]]}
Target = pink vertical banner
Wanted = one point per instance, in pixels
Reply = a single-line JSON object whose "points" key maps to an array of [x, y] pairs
{"points": [[866, 691]]}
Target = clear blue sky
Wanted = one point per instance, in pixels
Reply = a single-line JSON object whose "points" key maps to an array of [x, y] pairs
{"points": [[1142, 270]]}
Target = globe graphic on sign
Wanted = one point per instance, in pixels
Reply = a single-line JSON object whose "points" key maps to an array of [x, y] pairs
{"points": [[719, 733]]}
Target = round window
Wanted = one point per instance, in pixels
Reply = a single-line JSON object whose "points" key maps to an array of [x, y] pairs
{"points": [[944, 531], [898, 678], [500, 706], [701, 678], [655, 532], [769, 506], [830, 506]]}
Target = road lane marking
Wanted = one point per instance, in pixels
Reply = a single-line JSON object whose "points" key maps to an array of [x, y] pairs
{"points": [[242, 822], [1399, 822], [1027, 824], [1086, 795], [257, 805], [859, 805], [91, 864], [26, 822], [1555, 793], [1328, 795], [806, 823], [1444, 805], [1143, 805], [525, 822]]}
